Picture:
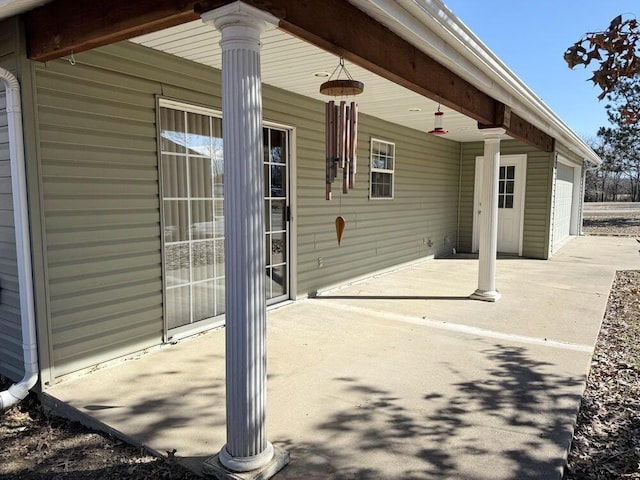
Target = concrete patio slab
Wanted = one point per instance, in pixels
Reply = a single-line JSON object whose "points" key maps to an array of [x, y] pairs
{"points": [[398, 376]]}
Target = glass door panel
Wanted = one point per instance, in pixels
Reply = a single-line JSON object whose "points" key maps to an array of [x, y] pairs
{"points": [[276, 186], [192, 170]]}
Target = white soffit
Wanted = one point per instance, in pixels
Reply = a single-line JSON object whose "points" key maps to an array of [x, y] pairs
{"points": [[9, 8], [433, 28], [290, 63]]}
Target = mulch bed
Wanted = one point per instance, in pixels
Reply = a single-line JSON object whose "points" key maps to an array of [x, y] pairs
{"points": [[606, 441], [35, 445]]}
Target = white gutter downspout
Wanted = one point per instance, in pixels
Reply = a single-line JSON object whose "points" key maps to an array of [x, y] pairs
{"points": [[18, 391]]}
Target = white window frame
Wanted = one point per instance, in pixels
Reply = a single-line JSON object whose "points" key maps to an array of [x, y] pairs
{"points": [[373, 170], [193, 328]]}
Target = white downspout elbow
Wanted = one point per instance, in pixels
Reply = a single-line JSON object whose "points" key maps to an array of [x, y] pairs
{"points": [[18, 391]]}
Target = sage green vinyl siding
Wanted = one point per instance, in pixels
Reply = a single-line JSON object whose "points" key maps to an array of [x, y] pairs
{"points": [[101, 200], [379, 233], [99, 174], [568, 154], [420, 220], [537, 206], [467, 185], [11, 357]]}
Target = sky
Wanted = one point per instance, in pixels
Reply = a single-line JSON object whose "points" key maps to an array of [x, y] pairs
{"points": [[531, 36]]}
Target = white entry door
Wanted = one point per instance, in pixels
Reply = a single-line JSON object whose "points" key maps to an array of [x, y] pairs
{"points": [[511, 185]]}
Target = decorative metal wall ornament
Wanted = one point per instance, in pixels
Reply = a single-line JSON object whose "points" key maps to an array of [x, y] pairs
{"points": [[340, 224], [438, 121], [341, 129]]}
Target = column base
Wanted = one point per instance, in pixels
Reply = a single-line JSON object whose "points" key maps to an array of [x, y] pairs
{"points": [[485, 296], [213, 468]]}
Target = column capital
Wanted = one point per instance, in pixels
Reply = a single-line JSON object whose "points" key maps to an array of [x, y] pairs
{"points": [[242, 15], [493, 133]]}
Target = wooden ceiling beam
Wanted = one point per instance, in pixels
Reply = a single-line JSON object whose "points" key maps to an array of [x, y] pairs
{"points": [[63, 27], [339, 27], [524, 131], [520, 129]]}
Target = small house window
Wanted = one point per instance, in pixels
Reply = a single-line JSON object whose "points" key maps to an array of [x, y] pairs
{"points": [[506, 185], [382, 169]]}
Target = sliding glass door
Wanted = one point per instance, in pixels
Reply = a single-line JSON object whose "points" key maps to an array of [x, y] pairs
{"points": [[191, 169]]}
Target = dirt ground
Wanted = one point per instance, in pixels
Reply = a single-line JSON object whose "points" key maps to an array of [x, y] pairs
{"points": [[606, 441], [37, 445]]}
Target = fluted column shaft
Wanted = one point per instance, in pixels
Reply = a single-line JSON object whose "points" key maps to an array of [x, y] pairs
{"points": [[488, 245], [247, 447]]}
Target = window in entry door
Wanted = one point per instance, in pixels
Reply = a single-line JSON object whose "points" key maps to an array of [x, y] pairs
{"points": [[506, 186]]}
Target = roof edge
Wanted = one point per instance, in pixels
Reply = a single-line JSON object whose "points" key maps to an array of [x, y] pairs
{"points": [[508, 88]]}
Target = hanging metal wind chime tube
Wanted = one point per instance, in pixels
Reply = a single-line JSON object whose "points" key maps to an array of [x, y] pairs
{"points": [[353, 144], [341, 130]]}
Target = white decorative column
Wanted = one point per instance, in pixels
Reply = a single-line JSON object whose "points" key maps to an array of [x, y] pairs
{"points": [[247, 448], [488, 245]]}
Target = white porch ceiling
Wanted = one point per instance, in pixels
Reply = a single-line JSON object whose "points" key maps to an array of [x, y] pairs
{"points": [[290, 63], [9, 8]]}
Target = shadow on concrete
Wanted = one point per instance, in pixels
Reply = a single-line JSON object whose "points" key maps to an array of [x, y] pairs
{"points": [[159, 413], [167, 412], [389, 297], [519, 396], [474, 256]]}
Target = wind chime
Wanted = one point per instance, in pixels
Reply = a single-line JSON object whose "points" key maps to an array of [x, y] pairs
{"points": [[341, 134]]}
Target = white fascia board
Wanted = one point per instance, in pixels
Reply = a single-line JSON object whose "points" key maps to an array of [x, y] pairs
{"points": [[430, 26]]}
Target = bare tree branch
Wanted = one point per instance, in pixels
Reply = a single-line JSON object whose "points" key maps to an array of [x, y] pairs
{"points": [[616, 51]]}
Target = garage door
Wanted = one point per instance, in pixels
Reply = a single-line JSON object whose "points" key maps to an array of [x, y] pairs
{"points": [[562, 204]]}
